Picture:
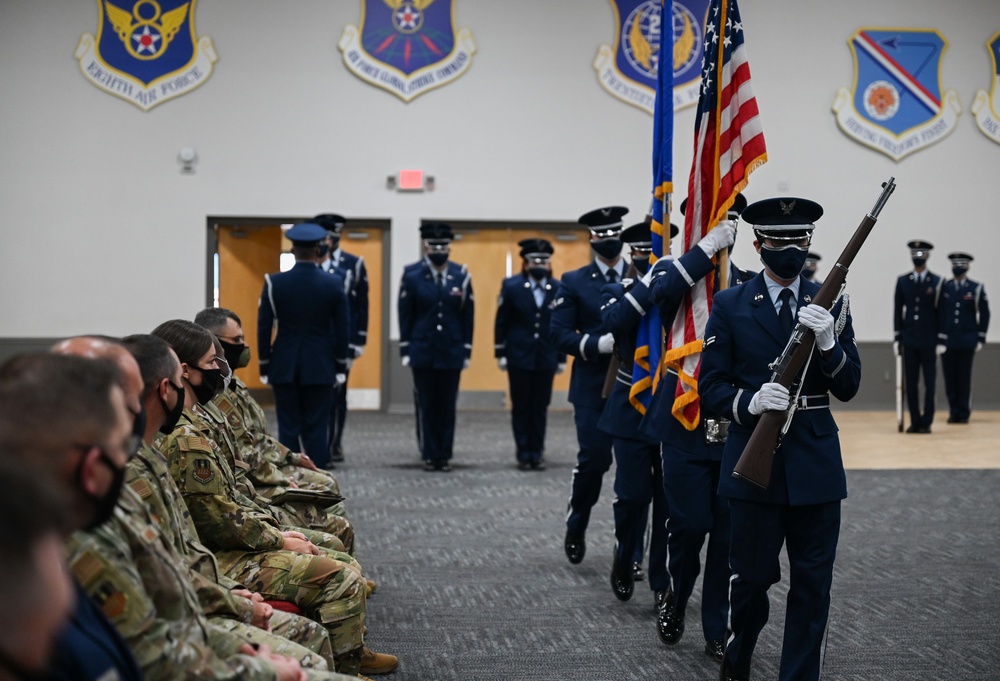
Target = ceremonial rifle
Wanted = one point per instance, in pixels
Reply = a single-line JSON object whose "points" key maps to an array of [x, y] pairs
{"points": [[754, 465]]}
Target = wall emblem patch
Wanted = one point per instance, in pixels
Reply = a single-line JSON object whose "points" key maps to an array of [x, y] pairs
{"points": [[407, 46], [986, 107], [628, 69], [146, 51], [897, 105]]}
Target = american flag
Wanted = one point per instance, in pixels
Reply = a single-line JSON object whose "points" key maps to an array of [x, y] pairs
{"points": [[728, 146], [649, 339]]}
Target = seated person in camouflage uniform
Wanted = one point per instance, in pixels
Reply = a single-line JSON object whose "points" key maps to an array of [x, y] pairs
{"points": [[249, 542], [237, 402], [66, 417], [179, 554]]}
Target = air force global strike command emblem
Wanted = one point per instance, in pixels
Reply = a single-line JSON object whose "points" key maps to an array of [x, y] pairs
{"points": [[986, 108], [628, 70], [897, 106], [407, 46], [146, 52]]}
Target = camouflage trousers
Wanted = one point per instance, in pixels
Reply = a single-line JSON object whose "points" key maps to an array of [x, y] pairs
{"points": [[328, 588], [296, 515], [310, 479], [291, 635]]}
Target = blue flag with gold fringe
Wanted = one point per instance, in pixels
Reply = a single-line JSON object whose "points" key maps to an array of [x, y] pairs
{"points": [[649, 340]]}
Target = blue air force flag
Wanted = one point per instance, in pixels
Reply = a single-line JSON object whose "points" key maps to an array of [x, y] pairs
{"points": [[407, 46], [986, 108], [629, 70], [897, 106], [146, 52]]}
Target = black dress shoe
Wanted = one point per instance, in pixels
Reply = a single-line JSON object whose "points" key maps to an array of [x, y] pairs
{"points": [[442, 466], [913, 428], [729, 673], [538, 465], [429, 465], [954, 419], [925, 430], [715, 649], [524, 465], [575, 547], [659, 599], [670, 622], [637, 574], [337, 455], [622, 584]]}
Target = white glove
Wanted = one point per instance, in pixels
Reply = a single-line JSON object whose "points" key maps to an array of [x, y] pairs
{"points": [[979, 346], [560, 368], [358, 350], [940, 349], [263, 379], [723, 235], [606, 343], [896, 350], [406, 360], [340, 379], [820, 321], [502, 363], [466, 363], [770, 397], [349, 363]]}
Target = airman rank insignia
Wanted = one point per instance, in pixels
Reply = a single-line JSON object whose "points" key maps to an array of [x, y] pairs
{"points": [[146, 51], [407, 46], [628, 70], [897, 105], [202, 471], [986, 108]]}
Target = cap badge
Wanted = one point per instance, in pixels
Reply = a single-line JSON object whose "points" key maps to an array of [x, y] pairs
{"points": [[787, 208]]}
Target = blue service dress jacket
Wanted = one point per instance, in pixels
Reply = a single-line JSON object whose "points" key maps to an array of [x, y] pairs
{"points": [[915, 310], [742, 338], [964, 314], [310, 310], [670, 281], [521, 330], [436, 322], [575, 328], [352, 268]]}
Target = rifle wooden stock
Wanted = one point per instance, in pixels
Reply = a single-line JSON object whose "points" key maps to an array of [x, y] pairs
{"points": [[754, 465], [612, 375]]}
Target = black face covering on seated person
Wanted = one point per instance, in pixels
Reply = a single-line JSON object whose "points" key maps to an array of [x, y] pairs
{"points": [[211, 384], [104, 506], [607, 248], [437, 259], [237, 356], [785, 263], [173, 414]]}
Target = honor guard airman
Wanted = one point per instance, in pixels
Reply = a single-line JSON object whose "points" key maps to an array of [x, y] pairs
{"points": [[748, 328], [965, 317], [524, 349], [436, 312], [638, 473], [355, 274], [809, 269], [578, 329], [692, 460], [309, 354], [916, 325]]}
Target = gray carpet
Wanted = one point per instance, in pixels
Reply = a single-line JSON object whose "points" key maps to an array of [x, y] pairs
{"points": [[474, 585]]}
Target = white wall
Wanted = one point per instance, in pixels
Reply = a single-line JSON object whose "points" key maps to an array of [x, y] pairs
{"points": [[102, 233]]}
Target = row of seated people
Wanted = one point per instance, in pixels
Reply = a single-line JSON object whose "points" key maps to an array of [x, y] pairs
{"points": [[211, 549]]}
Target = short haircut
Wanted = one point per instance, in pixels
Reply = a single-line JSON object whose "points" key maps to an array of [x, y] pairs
{"points": [[50, 403], [306, 251], [188, 340], [154, 357], [214, 318]]}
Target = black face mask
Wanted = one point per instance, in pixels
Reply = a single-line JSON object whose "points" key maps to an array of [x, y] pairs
{"points": [[237, 356], [641, 265], [173, 415], [437, 259], [785, 263], [538, 273], [139, 424], [211, 384], [324, 250], [607, 248], [959, 271], [919, 262], [104, 507]]}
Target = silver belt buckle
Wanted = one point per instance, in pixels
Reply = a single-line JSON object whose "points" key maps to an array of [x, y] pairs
{"points": [[716, 431]]}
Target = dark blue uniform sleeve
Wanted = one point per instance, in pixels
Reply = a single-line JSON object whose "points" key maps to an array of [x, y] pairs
{"points": [[342, 329], [983, 304], [563, 326], [671, 278], [405, 307], [897, 313], [360, 303], [502, 323], [265, 326], [468, 314], [621, 310]]}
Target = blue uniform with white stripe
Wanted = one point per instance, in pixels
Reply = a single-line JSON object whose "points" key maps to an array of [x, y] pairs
{"points": [[916, 324], [964, 320], [801, 507]]}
